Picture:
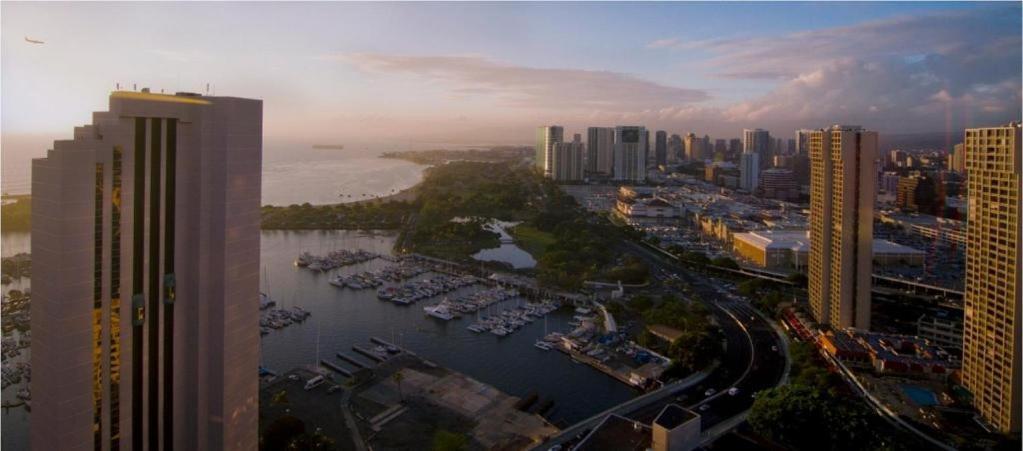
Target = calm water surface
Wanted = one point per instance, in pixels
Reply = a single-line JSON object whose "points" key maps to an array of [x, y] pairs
{"points": [[343, 317]]}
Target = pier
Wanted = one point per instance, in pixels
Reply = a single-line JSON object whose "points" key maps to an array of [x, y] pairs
{"points": [[350, 359], [382, 342], [335, 367], [367, 353]]}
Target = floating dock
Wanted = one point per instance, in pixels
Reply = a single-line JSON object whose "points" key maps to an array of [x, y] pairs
{"points": [[350, 359], [335, 367], [367, 353]]}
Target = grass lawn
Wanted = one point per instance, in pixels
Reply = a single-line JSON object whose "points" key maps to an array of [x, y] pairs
{"points": [[531, 239]]}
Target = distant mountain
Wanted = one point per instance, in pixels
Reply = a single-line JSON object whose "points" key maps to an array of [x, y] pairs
{"points": [[920, 141]]}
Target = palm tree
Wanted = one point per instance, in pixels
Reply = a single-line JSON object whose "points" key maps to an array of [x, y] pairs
{"points": [[398, 377]]}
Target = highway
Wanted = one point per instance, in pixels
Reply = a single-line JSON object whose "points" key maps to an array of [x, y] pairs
{"points": [[754, 358]]}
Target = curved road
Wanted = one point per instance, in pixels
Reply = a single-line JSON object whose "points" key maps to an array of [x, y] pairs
{"points": [[754, 359]]}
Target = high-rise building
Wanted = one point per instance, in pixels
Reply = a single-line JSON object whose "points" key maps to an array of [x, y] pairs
{"points": [[600, 143], [676, 150], [734, 148], [694, 147], [546, 136], [790, 148], [145, 325], [957, 159], [720, 147], [994, 287], [778, 183], [803, 141], [917, 193], [646, 146], [630, 153], [749, 171], [567, 161], [841, 225], [896, 158], [759, 142], [661, 148]]}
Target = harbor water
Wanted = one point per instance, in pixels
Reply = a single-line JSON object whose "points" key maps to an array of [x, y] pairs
{"points": [[342, 317]]}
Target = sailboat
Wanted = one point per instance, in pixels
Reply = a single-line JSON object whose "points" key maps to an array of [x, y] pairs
{"points": [[540, 344]]}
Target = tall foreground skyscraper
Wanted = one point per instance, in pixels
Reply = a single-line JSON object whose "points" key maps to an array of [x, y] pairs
{"points": [[145, 319], [841, 225], [600, 142], [546, 136], [630, 153], [991, 328]]}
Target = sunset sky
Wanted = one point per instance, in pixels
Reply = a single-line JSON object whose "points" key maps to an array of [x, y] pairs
{"points": [[470, 72]]}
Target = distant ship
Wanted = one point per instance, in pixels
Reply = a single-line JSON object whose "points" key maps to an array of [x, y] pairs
{"points": [[329, 146]]}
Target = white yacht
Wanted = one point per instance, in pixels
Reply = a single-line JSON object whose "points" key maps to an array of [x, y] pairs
{"points": [[540, 344], [439, 311]]}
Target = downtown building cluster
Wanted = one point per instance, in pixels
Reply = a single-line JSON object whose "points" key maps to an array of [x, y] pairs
{"points": [[625, 154]]}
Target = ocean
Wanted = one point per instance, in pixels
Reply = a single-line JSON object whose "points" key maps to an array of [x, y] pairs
{"points": [[293, 172]]}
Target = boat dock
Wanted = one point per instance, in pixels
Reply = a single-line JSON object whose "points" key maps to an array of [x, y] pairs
{"points": [[350, 359], [335, 367], [381, 341], [367, 353]]}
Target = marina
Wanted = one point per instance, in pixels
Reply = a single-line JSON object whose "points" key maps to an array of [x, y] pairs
{"points": [[347, 317]]}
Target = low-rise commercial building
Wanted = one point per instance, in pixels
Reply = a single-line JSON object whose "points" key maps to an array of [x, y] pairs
{"points": [[790, 249]]}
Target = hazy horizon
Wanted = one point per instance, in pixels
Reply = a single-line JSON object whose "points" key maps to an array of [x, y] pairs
{"points": [[489, 73]]}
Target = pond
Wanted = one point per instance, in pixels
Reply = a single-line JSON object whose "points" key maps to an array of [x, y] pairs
{"points": [[508, 251]]}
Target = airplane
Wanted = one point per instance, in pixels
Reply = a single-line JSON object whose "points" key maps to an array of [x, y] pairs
{"points": [[33, 41]]}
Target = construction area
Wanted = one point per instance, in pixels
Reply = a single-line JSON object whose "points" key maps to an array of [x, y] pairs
{"points": [[401, 402]]}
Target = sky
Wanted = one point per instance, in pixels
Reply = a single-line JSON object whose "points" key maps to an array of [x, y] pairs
{"points": [[491, 72]]}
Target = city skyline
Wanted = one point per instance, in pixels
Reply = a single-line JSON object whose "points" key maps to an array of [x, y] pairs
{"points": [[324, 82], [667, 226]]}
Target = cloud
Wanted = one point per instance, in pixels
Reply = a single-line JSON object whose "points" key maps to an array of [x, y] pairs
{"points": [[530, 87], [921, 73]]}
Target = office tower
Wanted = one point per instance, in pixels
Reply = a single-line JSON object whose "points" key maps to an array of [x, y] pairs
{"points": [[694, 147], [145, 277], [661, 148], [567, 161], [841, 225], [720, 147], [734, 147], [630, 153], [777, 183], [994, 288], [577, 138], [803, 141], [749, 171], [676, 150], [546, 136], [896, 158], [890, 182], [600, 147], [646, 146], [917, 193], [790, 147], [759, 142], [708, 148], [957, 159]]}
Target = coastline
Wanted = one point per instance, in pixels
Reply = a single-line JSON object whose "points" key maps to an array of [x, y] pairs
{"points": [[406, 195]]}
